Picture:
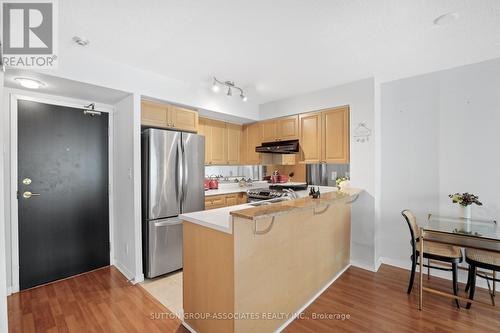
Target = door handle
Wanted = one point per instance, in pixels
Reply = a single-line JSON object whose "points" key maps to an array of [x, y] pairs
{"points": [[28, 194]]}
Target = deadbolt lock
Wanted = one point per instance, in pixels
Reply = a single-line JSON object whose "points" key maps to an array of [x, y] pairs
{"points": [[26, 181], [28, 194]]}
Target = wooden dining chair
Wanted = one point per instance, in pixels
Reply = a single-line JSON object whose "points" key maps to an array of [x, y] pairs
{"points": [[433, 251], [486, 260]]}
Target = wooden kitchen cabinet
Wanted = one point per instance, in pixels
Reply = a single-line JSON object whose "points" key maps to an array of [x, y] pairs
{"points": [[280, 129], [225, 200], [154, 114], [269, 130], [164, 115], [233, 139], [204, 129], [335, 133], [218, 142], [310, 137], [252, 137], [183, 119], [288, 128]]}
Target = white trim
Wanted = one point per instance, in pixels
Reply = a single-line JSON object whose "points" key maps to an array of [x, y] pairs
{"points": [[123, 269], [361, 265], [189, 328], [14, 96]]}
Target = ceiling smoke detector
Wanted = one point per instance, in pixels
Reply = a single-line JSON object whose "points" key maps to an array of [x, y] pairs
{"points": [[447, 18], [81, 41]]}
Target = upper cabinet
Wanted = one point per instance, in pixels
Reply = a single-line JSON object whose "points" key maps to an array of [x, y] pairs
{"points": [[204, 129], [168, 116], [154, 114], [183, 119], [324, 136], [310, 137], [288, 128], [252, 137], [335, 133], [223, 141], [280, 129], [233, 139]]}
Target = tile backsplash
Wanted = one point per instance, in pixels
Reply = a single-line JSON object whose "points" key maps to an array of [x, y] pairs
{"points": [[256, 172]]}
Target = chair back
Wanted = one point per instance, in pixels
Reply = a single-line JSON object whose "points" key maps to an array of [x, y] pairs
{"points": [[411, 220]]}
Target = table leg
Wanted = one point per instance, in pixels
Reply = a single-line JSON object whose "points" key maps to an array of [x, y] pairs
{"points": [[421, 273]]}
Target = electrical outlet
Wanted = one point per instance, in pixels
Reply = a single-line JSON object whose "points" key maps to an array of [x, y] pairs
{"points": [[334, 175]]}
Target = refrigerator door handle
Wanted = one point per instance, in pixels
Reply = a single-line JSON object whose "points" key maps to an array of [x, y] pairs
{"points": [[180, 171], [184, 175]]}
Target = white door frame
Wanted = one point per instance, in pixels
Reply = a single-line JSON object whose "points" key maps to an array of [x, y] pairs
{"points": [[14, 219]]}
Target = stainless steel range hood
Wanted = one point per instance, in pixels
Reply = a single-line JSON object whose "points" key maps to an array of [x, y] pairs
{"points": [[279, 147]]}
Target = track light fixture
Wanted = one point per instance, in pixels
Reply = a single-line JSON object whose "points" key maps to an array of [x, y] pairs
{"points": [[230, 86]]}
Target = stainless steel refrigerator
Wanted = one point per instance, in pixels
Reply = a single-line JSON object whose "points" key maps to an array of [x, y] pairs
{"points": [[172, 184]]}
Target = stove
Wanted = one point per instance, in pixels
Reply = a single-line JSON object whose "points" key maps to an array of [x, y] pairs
{"points": [[258, 194]]}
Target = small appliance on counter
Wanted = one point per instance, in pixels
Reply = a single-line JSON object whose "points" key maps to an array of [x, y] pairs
{"points": [[213, 184]]}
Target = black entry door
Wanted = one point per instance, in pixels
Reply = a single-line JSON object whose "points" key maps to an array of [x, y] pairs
{"points": [[63, 162]]}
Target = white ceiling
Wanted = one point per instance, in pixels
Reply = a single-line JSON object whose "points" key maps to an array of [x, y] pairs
{"points": [[66, 88], [282, 48]]}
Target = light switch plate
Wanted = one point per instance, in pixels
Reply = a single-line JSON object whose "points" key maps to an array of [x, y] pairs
{"points": [[334, 175]]}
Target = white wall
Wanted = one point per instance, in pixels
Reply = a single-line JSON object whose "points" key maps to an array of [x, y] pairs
{"points": [[3, 270], [360, 96], [439, 136], [127, 227], [81, 65]]}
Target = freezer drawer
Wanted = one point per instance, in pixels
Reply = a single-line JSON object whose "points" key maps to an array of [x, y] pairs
{"points": [[165, 246]]}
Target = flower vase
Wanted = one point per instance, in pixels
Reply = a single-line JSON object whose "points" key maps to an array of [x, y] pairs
{"points": [[466, 211]]}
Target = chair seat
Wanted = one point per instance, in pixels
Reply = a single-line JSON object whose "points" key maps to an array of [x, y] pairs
{"points": [[441, 250], [482, 256]]}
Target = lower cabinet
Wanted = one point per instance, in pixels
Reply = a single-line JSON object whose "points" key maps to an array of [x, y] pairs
{"points": [[225, 200]]}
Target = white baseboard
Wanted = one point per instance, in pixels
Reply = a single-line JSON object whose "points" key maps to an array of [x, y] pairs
{"points": [[189, 328], [362, 266], [138, 279], [128, 274]]}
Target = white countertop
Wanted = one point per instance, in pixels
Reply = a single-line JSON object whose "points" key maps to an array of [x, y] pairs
{"points": [[228, 188], [220, 219]]}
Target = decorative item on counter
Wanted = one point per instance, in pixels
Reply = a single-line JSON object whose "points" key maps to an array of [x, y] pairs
{"points": [[465, 200], [242, 182], [342, 183], [206, 184], [315, 194], [290, 175]]}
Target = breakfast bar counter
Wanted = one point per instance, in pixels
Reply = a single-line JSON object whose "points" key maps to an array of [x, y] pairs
{"points": [[275, 260]]}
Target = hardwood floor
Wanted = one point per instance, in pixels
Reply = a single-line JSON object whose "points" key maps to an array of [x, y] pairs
{"points": [[377, 302], [103, 301], [99, 301]]}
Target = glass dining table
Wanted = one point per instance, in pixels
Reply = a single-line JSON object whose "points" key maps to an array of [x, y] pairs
{"points": [[467, 233]]}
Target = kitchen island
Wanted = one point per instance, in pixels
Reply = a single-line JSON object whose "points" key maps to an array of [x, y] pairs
{"points": [[251, 269]]}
